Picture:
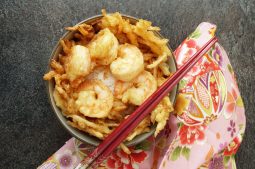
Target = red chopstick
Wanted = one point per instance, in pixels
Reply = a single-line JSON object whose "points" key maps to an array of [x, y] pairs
{"points": [[122, 131]]}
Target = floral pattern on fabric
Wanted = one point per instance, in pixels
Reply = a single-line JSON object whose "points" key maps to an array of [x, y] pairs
{"points": [[121, 160], [209, 107], [191, 134]]}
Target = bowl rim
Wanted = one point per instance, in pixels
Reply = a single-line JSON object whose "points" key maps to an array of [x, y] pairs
{"points": [[60, 117]]}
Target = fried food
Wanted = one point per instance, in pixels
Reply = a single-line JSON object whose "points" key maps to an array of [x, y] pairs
{"points": [[120, 87], [119, 26], [49, 75], [96, 127], [128, 64], [94, 99], [104, 47], [161, 114], [60, 102], [164, 67], [143, 30], [108, 69], [143, 86], [117, 112], [141, 128], [78, 64]]}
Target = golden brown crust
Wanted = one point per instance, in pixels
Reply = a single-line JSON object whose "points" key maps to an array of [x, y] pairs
{"points": [[154, 50]]}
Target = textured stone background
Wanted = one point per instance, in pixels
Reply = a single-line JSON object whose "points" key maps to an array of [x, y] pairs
{"points": [[29, 132]]}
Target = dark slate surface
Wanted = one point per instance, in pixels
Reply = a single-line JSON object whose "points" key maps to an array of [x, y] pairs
{"points": [[29, 30]]}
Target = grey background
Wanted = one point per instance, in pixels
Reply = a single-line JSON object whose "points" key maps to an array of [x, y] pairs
{"points": [[29, 132]]}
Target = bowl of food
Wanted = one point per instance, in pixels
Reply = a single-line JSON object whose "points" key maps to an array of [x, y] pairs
{"points": [[102, 69]]}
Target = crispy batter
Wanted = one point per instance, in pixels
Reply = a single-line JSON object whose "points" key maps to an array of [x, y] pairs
{"points": [[49, 75], [164, 67], [160, 59], [148, 56], [97, 127], [117, 110], [161, 114], [76, 27], [95, 99], [57, 66], [66, 44], [143, 127], [157, 44], [155, 52]]}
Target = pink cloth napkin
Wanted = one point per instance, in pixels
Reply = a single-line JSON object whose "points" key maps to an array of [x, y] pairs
{"points": [[208, 128]]}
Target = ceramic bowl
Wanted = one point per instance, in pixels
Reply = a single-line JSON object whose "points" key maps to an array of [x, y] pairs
{"points": [[82, 136]]}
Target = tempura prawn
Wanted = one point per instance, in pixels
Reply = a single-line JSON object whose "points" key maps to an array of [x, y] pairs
{"points": [[94, 99], [104, 47], [78, 64], [128, 64], [143, 86]]}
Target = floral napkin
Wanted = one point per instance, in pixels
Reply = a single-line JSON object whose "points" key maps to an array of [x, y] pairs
{"points": [[206, 131]]}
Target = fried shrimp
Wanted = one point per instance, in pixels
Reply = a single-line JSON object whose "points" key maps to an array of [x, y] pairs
{"points": [[143, 86], [104, 47], [120, 88], [94, 99], [78, 64], [128, 64]]}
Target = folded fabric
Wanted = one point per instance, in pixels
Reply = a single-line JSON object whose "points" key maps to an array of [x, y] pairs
{"points": [[206, 130]]}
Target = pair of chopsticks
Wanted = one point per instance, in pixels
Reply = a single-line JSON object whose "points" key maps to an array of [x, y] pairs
{"points": [[121, 132]]}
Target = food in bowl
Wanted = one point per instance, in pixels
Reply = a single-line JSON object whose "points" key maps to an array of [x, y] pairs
{"points": [[108, 69]]}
